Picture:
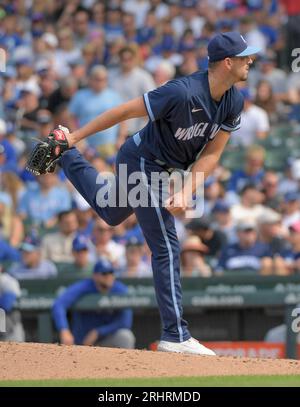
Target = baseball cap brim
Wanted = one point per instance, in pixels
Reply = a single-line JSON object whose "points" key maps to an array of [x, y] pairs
{"points": [[27, 247], [248, 51]]}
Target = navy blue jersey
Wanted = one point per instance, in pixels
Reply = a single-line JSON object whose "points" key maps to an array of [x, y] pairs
{"points": [[234, 257], [184, 118]]}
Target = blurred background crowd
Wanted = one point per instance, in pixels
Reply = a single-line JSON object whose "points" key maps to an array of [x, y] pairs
{"points": [[68, 61]]}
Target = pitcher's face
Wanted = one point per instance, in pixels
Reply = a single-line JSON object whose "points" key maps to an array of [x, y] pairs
{"points": [[240, 67]]}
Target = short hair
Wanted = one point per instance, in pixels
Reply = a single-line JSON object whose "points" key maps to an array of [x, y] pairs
{"points": [[167, 67], [132, 48], [247, 187], [98, 69], [81, 10], [256, 150], [68, 82], [61, 214], [213, 65]]}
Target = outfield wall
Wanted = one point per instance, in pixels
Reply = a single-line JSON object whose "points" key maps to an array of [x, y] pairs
{"points": [[240, 307]]}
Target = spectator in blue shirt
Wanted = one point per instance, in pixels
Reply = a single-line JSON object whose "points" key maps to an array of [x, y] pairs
{"points": [[42, 204], [9, 36], [8, 161], [248, 253], [252, 173], [113, 25], [7, 252], [290, 256], [80, 251], [223, 221], [110, 328], [8, 156], [31, 265], [88, 103]]}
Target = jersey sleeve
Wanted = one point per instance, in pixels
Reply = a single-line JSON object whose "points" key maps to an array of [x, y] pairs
{"points": [[165, 101], [66, 300], [233, 120]]}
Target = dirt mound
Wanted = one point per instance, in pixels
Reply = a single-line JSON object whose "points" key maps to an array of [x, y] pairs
{"points": [[45, 361]]}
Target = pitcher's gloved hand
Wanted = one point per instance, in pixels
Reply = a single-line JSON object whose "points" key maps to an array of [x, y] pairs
{"points": [[45, 154]]}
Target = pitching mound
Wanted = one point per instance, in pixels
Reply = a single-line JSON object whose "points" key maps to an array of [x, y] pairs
{"points": [[30, 361]]}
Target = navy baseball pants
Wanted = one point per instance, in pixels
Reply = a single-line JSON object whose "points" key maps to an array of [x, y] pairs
{"points": [[156, 222]]}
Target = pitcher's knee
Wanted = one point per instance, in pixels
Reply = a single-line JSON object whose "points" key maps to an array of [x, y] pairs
{"points": [[164, 253], [107, 217], [112, 222]]}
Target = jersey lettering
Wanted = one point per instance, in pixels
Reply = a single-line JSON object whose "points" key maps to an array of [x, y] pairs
{"points": [[197, 130]]}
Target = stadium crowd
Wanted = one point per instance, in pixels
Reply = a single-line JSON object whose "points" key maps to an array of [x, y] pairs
{"points": [[68, 61]]}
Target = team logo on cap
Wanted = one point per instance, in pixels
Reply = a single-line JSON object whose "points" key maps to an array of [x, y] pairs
{"points": [[235, 121], [243, 39]]}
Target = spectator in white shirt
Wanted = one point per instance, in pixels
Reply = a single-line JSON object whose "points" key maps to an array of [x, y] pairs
{"points": [[131, 81], [250, 207], [254, 122], [104, 246], [66, 52], [139, 8], [268, 70], [32, 265], [164, 72], [188, 18], [252, 34], [135, 265], [58, 246]]}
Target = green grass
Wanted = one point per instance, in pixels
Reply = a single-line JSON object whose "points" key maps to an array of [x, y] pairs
{"points": [[211, 381]]}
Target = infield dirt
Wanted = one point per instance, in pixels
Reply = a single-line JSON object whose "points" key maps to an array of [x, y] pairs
{"points": [[19, 361]]}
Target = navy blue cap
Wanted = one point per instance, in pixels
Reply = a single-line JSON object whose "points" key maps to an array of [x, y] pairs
{"points": [[37, 33], [230, 5], [230, 44], [103, 266], [80, 242], [221, 206], [186, 47], [135, 241], [31, 243], [291, 196], [188, 3], [37, 17], [167, 44], [10, 127], [225, 23]]}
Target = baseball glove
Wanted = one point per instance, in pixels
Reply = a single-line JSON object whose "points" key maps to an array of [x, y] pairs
{"points": [[45, 154]]}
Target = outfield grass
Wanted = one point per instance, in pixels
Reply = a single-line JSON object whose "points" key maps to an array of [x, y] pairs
{"points": [[210, 381]]}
